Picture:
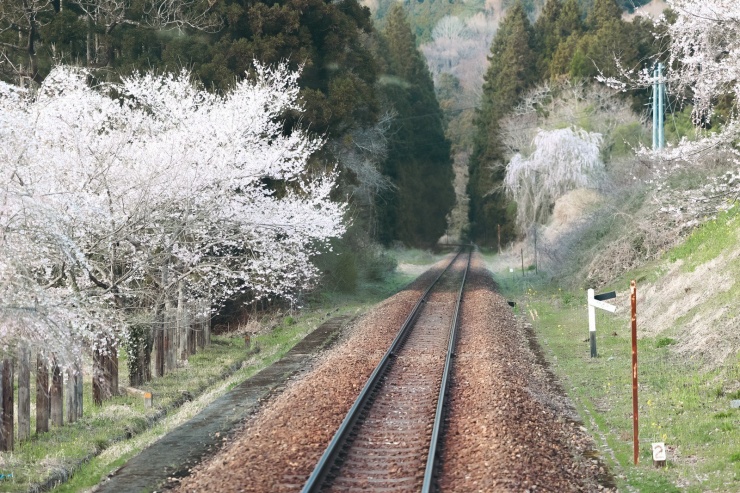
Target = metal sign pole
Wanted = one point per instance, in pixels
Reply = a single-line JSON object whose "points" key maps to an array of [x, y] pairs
{"points": [[592, 323], [594, 302], [635, 419]]}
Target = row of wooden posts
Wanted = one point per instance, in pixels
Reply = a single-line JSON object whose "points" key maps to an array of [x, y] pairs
{"points": [[185, 331], [179, 334]]}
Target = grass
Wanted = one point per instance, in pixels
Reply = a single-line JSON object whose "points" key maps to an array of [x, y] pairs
{"points": [[109, 435], [680, 403], [415, 256], [709, 241]]}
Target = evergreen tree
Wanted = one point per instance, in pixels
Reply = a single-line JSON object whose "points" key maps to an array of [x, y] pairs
{"points": [[419, 163], [602, 13], [609, 37], [569, 28], [510, 73], [569, 21], [546, 35]]}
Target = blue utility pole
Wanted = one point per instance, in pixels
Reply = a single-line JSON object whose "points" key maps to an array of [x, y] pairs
{"points": [[658, 107]]}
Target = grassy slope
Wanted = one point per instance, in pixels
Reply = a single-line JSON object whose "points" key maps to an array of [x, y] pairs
{"points": [[685, 390]]}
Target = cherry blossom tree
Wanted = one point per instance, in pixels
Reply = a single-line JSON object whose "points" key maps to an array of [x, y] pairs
{"points": [[703, 65], [120, 197], [563, 160], [704, 52]]}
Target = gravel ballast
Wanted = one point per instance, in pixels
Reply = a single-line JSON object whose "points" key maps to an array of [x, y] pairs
{"points": [[502, 433]]}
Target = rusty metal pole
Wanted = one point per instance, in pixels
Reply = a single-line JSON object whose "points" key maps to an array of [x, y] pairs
{"points": [[522, 252], [635, 419]]}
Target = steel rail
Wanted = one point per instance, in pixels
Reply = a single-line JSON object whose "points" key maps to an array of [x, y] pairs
{"points": [[329, 457], [428, 483]]}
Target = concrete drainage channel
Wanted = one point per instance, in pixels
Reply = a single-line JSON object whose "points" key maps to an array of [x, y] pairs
{"points": [[175, 453]]}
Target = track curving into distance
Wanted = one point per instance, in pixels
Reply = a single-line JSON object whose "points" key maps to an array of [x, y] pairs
{"points": [[388, 440]]}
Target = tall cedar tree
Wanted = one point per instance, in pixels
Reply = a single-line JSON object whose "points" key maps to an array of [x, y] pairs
{"points": [[547, 35], [558, 22], [419, 162], [570, 28], [510, 73]]}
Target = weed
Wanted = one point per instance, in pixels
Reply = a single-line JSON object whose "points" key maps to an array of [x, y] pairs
{"points": [[726, 427], [664, 341], [718, 391], [735, 457], [723, 415]]}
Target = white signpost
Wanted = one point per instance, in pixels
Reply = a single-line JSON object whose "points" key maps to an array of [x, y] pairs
{"points": [[594, 302]]}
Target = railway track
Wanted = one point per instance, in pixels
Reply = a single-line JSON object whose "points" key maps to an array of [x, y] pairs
{"points": [[388, 440]]}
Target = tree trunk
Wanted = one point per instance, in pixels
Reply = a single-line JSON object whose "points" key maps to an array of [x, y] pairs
{"points": [[57, 396], [24, 394], [207, 324], [74, 392], [167, 331], [96, 378], [137, 358], [42, 395], [89, 42], [101, 377], [6, 424]]}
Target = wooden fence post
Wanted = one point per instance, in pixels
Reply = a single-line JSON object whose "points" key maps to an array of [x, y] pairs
{"points": [[192, 321], [71, 396], [159, 342], [57, 395], [182, 329], [78, 388], [112, 369], [207, 325], [74, 392], [24, 393], [42, 395], [171, 345], [6, 424], [199, 324]]}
